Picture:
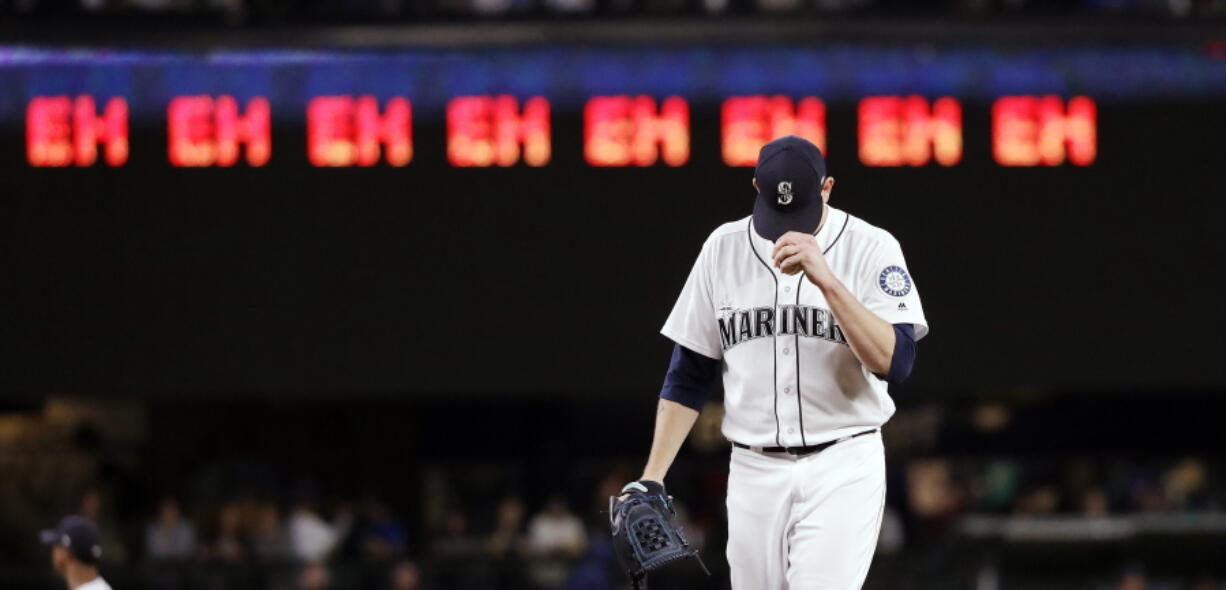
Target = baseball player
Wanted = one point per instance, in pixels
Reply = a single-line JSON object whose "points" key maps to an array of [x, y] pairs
{"points": [[807, 313], [76, 546]]}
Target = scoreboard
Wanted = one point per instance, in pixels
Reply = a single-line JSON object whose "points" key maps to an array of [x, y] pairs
{"points": [[221, 109], [482, 131]]}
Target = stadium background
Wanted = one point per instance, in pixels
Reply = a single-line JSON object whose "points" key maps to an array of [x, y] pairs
{"points": [[448, 369]]}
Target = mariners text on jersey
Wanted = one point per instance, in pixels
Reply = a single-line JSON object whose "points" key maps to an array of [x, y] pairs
{"points": [[740, 325]]}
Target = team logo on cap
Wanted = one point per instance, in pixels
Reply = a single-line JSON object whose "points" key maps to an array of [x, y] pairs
{"points": [[894, 281], [785, 192]]}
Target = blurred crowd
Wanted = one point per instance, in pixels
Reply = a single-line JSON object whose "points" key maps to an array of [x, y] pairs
{"points": [[292, 546], [195, 500], [259, 543], [253, 542], [1090, 487], [237, 10], [297, 542]]}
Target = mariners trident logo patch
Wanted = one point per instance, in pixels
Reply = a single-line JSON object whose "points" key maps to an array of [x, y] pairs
{"points": [[894, 281]]}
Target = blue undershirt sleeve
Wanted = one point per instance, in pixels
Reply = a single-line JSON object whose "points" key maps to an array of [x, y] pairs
{"points": [[905, 351], [689, 378]]}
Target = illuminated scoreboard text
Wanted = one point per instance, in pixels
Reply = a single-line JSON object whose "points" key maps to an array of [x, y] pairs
{"points": [[502, 130], [493, 131], [63, 131], [632, 131], [347, 131], [749, 122], [208, 131], [907, 131], [1043, 131]]}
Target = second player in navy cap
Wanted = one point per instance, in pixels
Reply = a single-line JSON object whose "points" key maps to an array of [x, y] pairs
{"points": [[76, 547], [78, 535], [790, 178]]}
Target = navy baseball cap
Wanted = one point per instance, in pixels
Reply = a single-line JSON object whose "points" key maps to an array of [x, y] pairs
{"points": [[78, 535], [790, 173]]}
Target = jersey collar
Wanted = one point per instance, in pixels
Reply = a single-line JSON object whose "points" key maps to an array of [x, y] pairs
{"points": [[830, 232], [832, 229]]}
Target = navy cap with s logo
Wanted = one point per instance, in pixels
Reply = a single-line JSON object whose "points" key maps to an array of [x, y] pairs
{"points": [[790, 173], [78, 535]]}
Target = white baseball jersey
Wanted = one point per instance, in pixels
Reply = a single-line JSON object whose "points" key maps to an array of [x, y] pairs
{"points": [[790, 379], [94, 584]]}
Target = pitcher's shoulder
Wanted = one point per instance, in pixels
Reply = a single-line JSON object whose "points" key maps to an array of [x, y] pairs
{"points": [[866, 235], [737, 226], [727, 235]]}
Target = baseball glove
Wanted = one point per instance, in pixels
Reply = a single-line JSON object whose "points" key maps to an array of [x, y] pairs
{"points": [[645, 532]]}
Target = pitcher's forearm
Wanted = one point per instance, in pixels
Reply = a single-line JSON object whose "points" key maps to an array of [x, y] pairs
{"points": [[871, 338], [673, 424]]}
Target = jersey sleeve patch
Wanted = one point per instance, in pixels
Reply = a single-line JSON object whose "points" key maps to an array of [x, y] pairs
{"points": [[894, 281]]}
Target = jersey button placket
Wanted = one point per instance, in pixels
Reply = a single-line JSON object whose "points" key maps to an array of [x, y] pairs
{"points": [[786, 386]]}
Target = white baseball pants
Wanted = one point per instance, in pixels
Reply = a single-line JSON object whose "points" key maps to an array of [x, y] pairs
{"points": [[805, 523]]}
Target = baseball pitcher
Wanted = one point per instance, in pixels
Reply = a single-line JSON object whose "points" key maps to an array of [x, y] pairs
{"points": [[807, 313]]}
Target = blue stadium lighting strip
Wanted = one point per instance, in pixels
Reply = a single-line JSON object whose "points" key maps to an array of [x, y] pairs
{"points": [[568, 76]]}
